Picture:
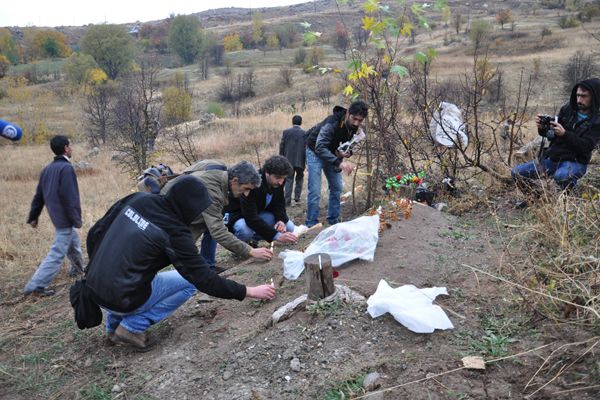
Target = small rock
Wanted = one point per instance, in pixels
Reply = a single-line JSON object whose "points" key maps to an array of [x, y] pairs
{"points": [[295, 365], [116, 389], [88, 362], [371, 381], [288, 378], [227, 375]]}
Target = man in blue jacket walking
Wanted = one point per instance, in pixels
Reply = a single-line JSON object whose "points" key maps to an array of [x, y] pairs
{"points": [[58, 190]]}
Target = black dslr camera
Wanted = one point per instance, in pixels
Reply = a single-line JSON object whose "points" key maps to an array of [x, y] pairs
{"points": [[547, 129]]}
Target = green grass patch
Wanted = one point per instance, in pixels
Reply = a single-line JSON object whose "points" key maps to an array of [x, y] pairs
{"points": [[346, 389], [324, 309]]}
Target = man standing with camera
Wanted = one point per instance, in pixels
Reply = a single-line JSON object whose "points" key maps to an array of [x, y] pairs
{"points": [[329, 143], [573, 135]]}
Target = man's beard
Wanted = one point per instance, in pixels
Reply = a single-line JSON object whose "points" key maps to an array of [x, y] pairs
{"points": [[583, 108]]}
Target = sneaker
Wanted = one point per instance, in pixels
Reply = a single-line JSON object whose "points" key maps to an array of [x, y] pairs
{"points": [[40, 291], [138, 340]]}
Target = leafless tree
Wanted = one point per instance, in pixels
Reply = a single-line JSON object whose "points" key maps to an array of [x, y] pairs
{"points": [[136, 114], [96, 109]]}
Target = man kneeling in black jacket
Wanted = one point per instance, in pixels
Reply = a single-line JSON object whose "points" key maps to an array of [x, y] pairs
{"points": [[140, 235]]}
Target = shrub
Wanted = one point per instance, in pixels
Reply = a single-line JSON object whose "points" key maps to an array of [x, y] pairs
{"points": [[300, 56], [546, 31], [177, 105], [215, 108], [578, 68], [569, 21]]}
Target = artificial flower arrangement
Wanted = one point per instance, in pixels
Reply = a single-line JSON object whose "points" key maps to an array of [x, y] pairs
{"points": [[397, 182]]}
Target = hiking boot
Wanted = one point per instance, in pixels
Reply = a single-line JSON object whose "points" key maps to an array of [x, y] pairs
{"points": [[138, 340], [40, 291]]}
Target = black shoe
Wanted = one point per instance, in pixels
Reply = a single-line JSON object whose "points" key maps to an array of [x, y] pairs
{"points": [[218, 270], [253, 243], [41, 291], [297, 201]]}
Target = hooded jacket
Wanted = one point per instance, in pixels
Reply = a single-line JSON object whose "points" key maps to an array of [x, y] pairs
{"points": [[148, 233], [325, 137], [581, 137], [248, 207]]}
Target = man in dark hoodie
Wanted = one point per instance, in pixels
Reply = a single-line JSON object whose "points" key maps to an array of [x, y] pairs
{"points": [[59, 192], [125, 280], [323, 154], [262, 214], [572, 138]]}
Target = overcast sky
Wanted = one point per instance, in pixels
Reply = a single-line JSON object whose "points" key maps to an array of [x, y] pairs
{"points": [[82, 12]]}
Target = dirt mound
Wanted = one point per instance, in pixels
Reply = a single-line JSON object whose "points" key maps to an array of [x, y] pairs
{"points": [[224, 349]]}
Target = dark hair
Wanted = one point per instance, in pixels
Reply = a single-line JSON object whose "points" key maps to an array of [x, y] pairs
{"points": [[58, 143], [297, 120], [278, 165], [245, 172], [359, 108]]}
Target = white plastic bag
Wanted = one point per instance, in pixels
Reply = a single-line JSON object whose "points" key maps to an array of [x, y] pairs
{"points": [[343, 242], [447, 127], [410, 306]]}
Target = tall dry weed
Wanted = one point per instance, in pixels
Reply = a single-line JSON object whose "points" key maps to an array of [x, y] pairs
{"points": [[563, 266]]}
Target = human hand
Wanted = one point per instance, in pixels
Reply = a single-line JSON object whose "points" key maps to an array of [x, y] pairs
{"points": [[346, 167], [263, 292], [280, 226], [33, 223], [342, 154], [287, 237], [559, 130], [261, 253]]}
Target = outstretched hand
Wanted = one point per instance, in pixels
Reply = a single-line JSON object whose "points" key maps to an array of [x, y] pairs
{"points": [[261, 253], [263, 292]]}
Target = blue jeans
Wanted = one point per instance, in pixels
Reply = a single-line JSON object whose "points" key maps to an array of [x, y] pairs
{"points": [[66, 243], [334, 180], [208, 249], [243, 231], [564, 173], [169, 291]]}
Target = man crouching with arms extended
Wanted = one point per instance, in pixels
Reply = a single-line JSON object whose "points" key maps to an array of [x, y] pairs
{"points": [[140, 235]]}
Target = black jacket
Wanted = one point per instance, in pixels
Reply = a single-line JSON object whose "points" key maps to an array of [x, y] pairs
{"points": [[248, 207], [293, 146], [58, 190], [581, 137], [325, 137], [147, 233]]}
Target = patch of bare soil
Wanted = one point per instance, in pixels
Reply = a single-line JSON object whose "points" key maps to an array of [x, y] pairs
{"points": [[218, 349]]}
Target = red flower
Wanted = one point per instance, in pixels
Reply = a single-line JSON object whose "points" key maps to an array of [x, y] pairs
{"points": [[420, 181], [335, 273], [398, 177]]}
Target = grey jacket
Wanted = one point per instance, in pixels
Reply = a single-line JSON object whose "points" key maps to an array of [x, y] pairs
{"points": [[293, 146]]}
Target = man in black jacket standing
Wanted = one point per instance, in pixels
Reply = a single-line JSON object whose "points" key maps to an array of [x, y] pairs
{"points": [[58, 190], [262, 214], [293, 147], [124, 279], [323, 154], [573, 137]]}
